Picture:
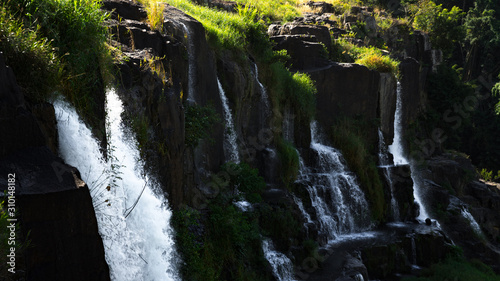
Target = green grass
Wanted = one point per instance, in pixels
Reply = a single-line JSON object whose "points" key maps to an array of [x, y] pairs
{"points": [[222, 243], [199, 121], [457, 269], [32, 58], [289, 159], [224, 30], [76, 31], [274, 10], [370, 57], [349, 135]]}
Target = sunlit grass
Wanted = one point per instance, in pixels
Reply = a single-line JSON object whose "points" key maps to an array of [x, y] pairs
{"points": [[154, 9]]}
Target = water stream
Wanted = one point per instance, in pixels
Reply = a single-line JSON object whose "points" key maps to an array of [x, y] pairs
{"points": [[230, 138], [191, 63], [282, 266], [133, 219], [399, 156], [386, 165], [340, 205]]}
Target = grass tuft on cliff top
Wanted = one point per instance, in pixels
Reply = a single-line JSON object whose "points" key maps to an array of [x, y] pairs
{"points": [[77, 35]]}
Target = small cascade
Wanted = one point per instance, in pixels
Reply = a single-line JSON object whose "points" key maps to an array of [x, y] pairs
{"points": [[288, 124], [263, 92], [385, 164], [473, 223], [281, 264], [413, 251], [133, 221], [340, 205], [299, 204], [191, 63], [399, 157], [230, 144]]}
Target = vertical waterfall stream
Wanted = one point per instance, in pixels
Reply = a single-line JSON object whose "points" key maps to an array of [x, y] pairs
{"points": [[230, 139], [399, 155], [133, 219], [385, 164]]}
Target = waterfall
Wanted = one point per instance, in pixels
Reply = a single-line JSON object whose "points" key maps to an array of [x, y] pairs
{"points": [[280, 263], [191, 62], [340, 205], [396, 148], [413, 251], [473, 223], [263, 92], [397, 151], [133, 221], [385, 164], [299, 204], [230, 145]]}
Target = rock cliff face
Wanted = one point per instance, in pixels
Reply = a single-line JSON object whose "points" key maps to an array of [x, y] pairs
{"points": [[181, 53], [453, 190], [55, 208]]}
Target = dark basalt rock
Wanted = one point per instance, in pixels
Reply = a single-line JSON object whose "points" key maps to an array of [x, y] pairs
{"points": [[127, 9], [345, 89]]}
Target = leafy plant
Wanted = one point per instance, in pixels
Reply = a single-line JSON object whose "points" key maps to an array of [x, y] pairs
{"points": [[199, 123]]}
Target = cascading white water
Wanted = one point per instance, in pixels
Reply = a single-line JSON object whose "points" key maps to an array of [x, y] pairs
{"points": [[473, 223], [281, 264], [191, 62], [137, 236], [263, 92], [299, 204], [385, 164], [340, 205], [399, 157], [396, 148], [413, 251], [230, 144]]}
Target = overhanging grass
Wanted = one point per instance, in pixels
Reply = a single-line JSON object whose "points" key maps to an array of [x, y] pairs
{"points": [[224, 30], [370, 57], [76, 31], [32, 58]]}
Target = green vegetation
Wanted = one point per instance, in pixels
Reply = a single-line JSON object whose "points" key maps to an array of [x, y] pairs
{"points": [[289, 159], [199, 123], [225, 30], [272, 10], [352, 138], [459, 269], [296, 90], [246, 180], [443, 25], [223, 243], [77, 35], [371, 57], [32, 58]]}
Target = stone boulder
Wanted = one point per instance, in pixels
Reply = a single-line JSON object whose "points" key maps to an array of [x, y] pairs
{"points": [[125, 9], [305, 53], [56, 216]]}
